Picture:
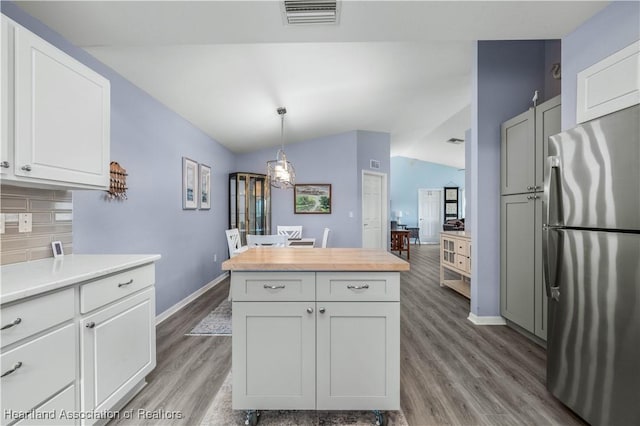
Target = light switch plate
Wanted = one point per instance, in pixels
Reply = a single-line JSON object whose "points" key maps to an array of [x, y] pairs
{"points": [[24, 222]]}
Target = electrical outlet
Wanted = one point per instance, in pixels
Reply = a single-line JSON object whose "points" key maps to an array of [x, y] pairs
{"points": [[24, 222], [2, 223], [215, 257]]}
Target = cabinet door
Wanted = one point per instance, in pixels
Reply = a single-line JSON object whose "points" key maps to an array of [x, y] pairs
{"points": [[517, 276], [518, 153], [6, 96], [274, 359], [118, 347], [358, 356], [547, 124], [62, 113]]}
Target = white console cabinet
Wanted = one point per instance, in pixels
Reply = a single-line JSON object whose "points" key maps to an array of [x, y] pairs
{"points": [[80, 340], [56, 115]]}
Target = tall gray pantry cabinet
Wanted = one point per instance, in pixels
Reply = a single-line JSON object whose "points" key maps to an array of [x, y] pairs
{"points": [[523, 162]]}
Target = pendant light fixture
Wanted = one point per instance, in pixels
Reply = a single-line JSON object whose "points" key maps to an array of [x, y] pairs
{"points": [[280, 172]]}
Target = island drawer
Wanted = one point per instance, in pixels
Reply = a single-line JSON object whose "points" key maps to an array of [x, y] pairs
{"points": [[38, 369], [24, 319], [273, 286], [358, 286], [109, 289]]}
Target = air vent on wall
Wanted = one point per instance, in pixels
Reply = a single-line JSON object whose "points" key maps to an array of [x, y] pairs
{"points": [[297, 12], [455, 141]]}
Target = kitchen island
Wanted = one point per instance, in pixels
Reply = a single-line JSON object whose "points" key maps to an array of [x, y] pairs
{"points": [[316, 329]]}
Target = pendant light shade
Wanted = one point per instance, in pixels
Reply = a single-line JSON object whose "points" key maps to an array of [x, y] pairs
{"points": [[280, 172]]}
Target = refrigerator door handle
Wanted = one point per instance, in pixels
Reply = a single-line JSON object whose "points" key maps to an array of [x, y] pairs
{"points": [[551, 184], [552, 290]]}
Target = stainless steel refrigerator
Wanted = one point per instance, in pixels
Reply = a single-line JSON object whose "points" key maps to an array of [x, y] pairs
{"points": [[592, 268]]}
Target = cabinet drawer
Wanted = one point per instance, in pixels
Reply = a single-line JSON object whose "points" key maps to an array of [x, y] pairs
{"points": [[50, 411], [462, 263], [273, 286], [462, 247], [358, 286], [106, 290], [35, 315], [47, 365]]}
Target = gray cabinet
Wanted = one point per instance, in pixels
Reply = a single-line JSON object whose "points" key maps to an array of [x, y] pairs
{"points": [[524, 150]]}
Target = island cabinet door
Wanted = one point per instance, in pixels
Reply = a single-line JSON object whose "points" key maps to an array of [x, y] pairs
{"points": [[274, 355], [358, 355]]}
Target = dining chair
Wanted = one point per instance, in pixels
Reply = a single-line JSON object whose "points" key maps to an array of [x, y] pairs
{"points": [[267, 240], [325, 237], [290, 231], [233, 240]]}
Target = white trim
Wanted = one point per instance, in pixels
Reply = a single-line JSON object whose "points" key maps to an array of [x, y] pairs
{"points": [[184, 302], [482, 320], [384, 238]]}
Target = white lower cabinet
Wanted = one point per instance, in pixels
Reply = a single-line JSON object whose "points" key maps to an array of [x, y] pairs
{"points": [[117, 350], [319, 354]]}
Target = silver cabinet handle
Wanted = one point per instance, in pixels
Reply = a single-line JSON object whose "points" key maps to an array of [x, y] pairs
{"points": [[529, 188], [274, 287], [4, 164], [11, 324], [537, 187], [26, 168], [533, 197], [15, 367], [322, 310], [358, 287], [127, 283], [310, 310], [90, 324]]}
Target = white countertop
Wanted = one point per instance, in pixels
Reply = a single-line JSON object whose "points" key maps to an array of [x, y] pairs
{"points": [[20, 280]]}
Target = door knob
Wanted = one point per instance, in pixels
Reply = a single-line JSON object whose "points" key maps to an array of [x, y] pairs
{"points": [[322, 310], [310, 310]]}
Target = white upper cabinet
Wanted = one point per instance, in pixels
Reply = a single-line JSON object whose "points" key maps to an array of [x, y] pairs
{"points": [[61, 115], [610, 85]]}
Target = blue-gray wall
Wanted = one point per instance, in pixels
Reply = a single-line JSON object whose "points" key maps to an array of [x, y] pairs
{"points": [[408, 175], [505, 76], [468, 179], [336, 159], [149, 140], [612, 29]]}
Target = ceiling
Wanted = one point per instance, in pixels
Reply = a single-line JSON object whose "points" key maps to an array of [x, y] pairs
{"points": [[389, 66]]}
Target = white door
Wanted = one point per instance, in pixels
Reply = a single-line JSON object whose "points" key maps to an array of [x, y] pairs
{"points": [[374, 211], [430, 215], [61, 116], [274, 355], [118, 349], [358, 355]]}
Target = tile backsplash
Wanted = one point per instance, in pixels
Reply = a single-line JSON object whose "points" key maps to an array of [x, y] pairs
{"points": [[52, 214]]}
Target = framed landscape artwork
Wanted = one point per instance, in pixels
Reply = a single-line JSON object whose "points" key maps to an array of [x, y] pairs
{"points": [[312, 198], [189, 184], [205, 187]]}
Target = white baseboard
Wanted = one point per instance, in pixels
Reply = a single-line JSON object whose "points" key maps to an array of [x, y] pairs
{"points": [[193, 296], [482, 320]]}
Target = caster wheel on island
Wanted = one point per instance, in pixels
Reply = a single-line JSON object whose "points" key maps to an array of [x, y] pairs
{"points": [[381, 419], [251, 418]]}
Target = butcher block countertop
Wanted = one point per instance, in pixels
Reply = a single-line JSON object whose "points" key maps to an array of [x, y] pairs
{"points": [[317, 259]]}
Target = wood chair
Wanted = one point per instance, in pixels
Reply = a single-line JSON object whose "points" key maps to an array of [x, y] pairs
{"points": [[290, 231], [325, 237], [400, 242], [267, 240], [233, 241]]}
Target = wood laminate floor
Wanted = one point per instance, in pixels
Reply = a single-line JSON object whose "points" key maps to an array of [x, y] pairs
{"points": [[452, 372]]}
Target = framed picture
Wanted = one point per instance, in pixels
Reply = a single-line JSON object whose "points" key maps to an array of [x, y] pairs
{"points": [[57, 249], [312, 198], [189, 184], [205, 187]]}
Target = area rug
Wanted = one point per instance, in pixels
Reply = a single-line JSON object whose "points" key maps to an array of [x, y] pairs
{"points": [[217, 323], [220, 413]]}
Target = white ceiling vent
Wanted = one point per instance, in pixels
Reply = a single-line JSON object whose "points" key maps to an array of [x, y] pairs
{"points": [[455, 141], [296, 12]]}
